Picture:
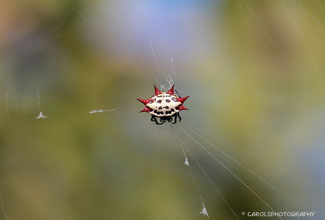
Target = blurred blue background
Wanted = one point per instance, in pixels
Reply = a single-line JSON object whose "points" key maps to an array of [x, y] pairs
{"points": [[254, 73]]}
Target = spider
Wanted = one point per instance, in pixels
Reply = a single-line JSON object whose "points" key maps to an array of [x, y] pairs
{"points": [[164, 105]]}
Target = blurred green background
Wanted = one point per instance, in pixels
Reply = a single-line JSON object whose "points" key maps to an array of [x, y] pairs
{"points": [[254, 71]]}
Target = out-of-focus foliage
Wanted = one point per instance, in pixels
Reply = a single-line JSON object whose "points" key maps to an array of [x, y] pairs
{"points": [[255, 74]]}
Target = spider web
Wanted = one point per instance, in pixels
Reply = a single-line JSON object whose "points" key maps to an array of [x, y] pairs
{"points": [[280, 196], [229, 168]]}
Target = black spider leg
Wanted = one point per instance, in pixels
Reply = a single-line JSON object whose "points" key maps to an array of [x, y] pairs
{"points": [[179, 116], [153, 118], [175, 118]]}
